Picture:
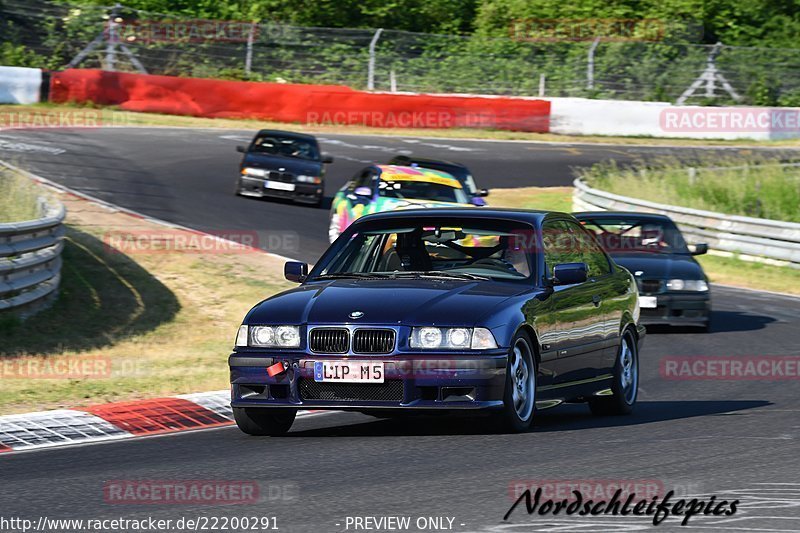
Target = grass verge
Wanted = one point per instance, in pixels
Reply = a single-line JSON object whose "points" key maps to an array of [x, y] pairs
{"points": [[725, 270], [757, 187], [154, 324], [18, 197], [112, 116]]}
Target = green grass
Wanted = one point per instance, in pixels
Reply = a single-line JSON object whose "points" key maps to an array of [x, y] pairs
{"points": [[543, 198], [18, 197], [162, 323], [753, 187], [752, 275]]}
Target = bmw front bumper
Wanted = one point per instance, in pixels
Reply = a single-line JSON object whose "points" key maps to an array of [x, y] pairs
{"points": [[303, 192], [410, 382], [678, 309]]}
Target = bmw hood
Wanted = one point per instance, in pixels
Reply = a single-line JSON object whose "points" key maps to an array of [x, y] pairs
{"points": [[660, 266], [289, 164], [387, 302]]}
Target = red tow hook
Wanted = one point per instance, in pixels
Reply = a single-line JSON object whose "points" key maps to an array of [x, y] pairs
{"points": [[277, 368]]}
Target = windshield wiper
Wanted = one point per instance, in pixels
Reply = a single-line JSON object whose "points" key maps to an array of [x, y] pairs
{"points": [[353, 275], [445, 274]]}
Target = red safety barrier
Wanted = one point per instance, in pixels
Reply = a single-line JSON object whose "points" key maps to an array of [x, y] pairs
{"points": [[309, 104]]}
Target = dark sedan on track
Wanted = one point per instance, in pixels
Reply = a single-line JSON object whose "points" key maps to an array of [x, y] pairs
{"points": [[673, 287], [283, 164], [502, 311]]}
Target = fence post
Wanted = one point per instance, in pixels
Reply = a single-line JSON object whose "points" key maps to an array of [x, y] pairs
{"points": [[248, 58], [590, 64], [371, 65], [111, 46], [392, 81], [541, 85]]}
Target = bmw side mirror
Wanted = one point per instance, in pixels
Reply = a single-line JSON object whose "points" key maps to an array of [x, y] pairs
{"points": [[241, 149], [363, 191], [327, 159], [295, 271], [700, 248], [569, 273]]}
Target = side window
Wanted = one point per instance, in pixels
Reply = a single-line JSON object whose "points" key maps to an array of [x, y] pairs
{"points": [[559, 245], [362, 179], [594, 256]]}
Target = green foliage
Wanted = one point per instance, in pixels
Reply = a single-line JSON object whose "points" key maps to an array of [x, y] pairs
{"points": [[447, 16], [466, 47], [761, 188]]}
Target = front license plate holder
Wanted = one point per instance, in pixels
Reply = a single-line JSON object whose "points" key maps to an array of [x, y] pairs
{"points": [[349, 371], [648, 302], [278, 185]]}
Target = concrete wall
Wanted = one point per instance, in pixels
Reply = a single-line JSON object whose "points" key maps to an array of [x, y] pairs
{"points": [[20, 85]]}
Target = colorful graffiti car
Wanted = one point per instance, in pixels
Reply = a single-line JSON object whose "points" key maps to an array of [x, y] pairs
{"points": [[379, 188]]}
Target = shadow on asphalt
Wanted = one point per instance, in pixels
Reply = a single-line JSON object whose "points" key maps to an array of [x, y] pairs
{"points": [[721, 322], [565, 418], [325, 204]]}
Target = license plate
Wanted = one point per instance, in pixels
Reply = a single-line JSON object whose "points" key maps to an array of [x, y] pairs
{"points": [[278, 185], [648, 302], [348, 371]]}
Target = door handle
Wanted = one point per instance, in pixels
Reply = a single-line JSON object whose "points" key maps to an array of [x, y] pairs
{"points": [[596, 300]]}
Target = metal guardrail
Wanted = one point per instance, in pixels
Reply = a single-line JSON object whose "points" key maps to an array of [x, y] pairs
{"points": [[30, 257], [755, 238]]}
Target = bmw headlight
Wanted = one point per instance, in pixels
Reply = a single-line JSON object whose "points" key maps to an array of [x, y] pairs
{"points": [[431, 338], [255, 172], [269, 336], [694, 285], [308, 179]]}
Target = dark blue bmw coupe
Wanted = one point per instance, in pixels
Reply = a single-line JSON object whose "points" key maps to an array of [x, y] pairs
{"points": [[496, 310]]}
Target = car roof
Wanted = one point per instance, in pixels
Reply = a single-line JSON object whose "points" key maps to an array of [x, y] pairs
{"points": [[396, 172], [292, 134], [621, 214], [422, 161], [490, 213]]}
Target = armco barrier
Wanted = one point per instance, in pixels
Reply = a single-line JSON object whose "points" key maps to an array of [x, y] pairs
{"points": [[20, 85], [30, 258], [283, 102], [752, 237]]}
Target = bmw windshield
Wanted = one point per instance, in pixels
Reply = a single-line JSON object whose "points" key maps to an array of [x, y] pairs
{"points": [[421, 190], [480, 250], [286, 147], [636, 235]]}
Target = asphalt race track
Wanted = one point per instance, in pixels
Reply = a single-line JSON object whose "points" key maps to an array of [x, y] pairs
{"points": [[187, 176], [732, 439]]}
